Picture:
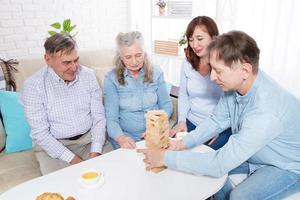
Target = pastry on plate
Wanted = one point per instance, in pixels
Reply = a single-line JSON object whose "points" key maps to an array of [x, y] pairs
{"points": [[52, 196]]}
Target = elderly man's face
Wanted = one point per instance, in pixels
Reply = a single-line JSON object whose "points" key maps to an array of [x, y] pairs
{"points": [[64, 65]]}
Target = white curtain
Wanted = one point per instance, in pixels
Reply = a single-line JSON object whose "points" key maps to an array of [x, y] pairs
{"points": [[274, 24], [140, 19]]}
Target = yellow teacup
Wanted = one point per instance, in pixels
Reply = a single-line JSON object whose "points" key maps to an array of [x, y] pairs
{"points": [[90, 177]]}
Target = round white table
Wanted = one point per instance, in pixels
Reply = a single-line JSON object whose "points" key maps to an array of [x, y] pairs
{"points": [[125, 178]]}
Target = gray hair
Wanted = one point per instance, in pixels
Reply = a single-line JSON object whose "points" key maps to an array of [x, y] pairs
{"points": [[60, 42], [127, 40]]}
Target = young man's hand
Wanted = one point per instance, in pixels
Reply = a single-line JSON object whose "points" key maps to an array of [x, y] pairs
{"points": [[176, 145], [153, 157]]}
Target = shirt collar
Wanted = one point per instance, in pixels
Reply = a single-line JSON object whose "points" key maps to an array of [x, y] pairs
{"points": [[141, 72], [57, 79], [245, 98]]}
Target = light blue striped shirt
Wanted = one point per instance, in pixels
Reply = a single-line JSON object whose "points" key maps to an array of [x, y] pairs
{"points": [[198, 95], [265, 131], [56, 110]]}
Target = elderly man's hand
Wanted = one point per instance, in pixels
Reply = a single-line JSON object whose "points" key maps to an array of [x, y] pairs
{"points": [[76, 159], [94, 154], [153, 157]]}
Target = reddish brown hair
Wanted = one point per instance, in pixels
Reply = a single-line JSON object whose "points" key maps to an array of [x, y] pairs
{"points": [[211, 28]]}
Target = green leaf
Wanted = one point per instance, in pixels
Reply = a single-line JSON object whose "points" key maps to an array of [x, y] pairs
{"points": [[67, 25], [56, 25], [72, 27], [51, 33], [64, 32]]}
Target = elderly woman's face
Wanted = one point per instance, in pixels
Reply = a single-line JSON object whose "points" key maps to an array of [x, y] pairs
{"points": [[133, 57]]}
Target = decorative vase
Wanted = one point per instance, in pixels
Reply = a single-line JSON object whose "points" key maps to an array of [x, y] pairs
{"points": [[162, 11]]}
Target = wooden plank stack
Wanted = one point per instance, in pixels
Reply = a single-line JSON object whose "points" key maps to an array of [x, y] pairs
{"points": [[157, 132]]}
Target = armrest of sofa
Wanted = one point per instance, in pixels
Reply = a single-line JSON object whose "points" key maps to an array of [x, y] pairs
{"points": [[173, 118], [2, 137]]}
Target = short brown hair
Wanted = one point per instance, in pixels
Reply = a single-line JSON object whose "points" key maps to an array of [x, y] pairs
{"points": [[236, 46], [211, 28], [60, 42]]}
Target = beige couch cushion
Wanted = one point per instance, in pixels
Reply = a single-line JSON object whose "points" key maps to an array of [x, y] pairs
{"points": [[99, 60], [16, 168], [26, 68], [101, 64]]}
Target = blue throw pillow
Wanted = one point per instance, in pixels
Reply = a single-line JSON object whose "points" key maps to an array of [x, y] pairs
{"points": [[16, 127]]}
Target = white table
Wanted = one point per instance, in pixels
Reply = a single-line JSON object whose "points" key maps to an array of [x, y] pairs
{"points": [[125, 178]]}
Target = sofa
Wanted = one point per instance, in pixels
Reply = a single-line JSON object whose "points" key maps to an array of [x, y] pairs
{"points": [[19, 167]]}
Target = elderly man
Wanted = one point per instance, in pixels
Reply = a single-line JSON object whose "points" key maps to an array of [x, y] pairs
{"points": [[265, 141], [63, 105]]}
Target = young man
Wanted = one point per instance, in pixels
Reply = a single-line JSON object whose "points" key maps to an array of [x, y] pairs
{"points": [[265, 141], [63, 105]]}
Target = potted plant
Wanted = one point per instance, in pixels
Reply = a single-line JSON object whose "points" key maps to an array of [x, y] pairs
{"points": [[65, 27], [162, 7], [182, 43]]}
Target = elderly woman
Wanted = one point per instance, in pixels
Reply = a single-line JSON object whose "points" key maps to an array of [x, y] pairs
{"points": [[130, 90]]}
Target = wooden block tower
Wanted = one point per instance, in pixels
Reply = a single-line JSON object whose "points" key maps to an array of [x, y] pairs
{"points": [[157, 131]]}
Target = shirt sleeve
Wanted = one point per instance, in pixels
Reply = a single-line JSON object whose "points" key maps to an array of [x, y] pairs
{"points": [[98, 117], [36, 115], [111, 104], [183, 101], [257, 130], [216, 123], [164, 100]]}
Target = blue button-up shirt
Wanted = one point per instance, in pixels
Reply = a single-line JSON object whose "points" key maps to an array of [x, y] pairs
{"points": [[56, 110], [265, 131], [126, 105]]}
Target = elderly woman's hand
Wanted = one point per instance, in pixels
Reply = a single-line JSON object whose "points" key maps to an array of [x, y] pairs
{"points": [[126, 142]]}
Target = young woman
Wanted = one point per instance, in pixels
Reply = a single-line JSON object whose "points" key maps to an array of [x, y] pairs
{"points": [[198, 95]]}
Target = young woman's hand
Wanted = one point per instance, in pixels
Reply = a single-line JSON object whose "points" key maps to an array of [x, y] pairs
{"points": [[180, 127]]}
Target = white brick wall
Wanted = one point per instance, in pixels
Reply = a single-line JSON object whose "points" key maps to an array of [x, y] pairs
{"points": [[24, 23]]}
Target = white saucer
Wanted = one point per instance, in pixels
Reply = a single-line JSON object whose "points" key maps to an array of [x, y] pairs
{"points": [[93, 186]]}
